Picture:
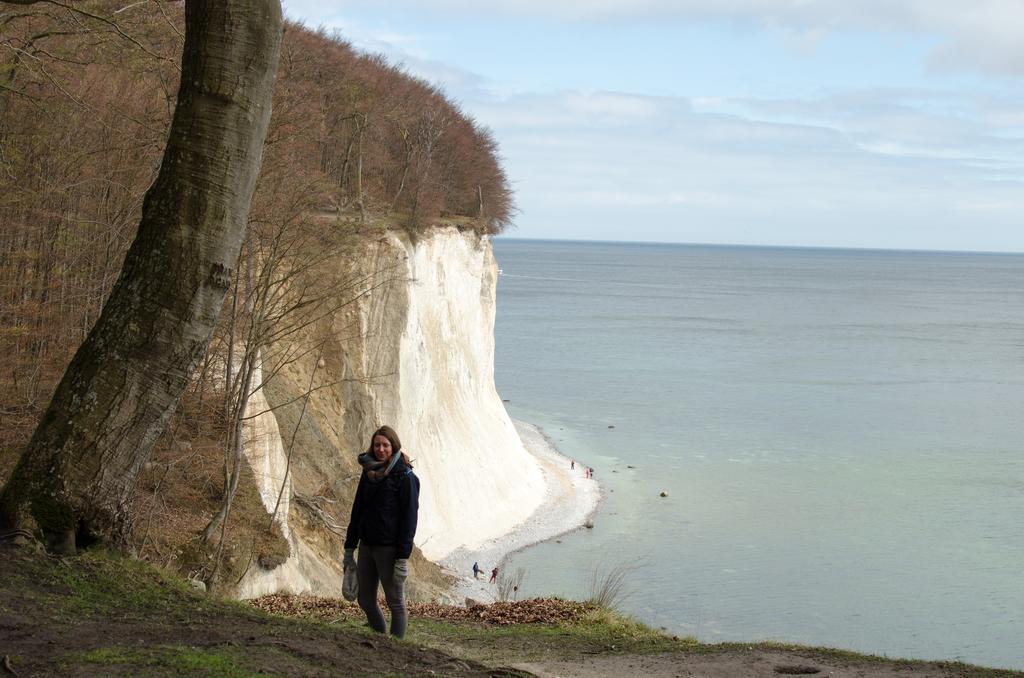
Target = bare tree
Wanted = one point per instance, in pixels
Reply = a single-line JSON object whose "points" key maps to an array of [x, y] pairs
{"points": [[75, 477]]}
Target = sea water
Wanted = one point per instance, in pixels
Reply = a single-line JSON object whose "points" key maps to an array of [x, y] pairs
{"points": [[840, 435]]}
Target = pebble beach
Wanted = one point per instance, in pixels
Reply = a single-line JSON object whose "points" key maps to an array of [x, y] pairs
{"points": [[570, 500]]}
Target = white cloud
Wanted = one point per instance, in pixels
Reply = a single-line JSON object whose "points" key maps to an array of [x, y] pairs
{"points": [[403, 49], [620, 198], [575, 109], [913, 123], [984, 34], [829, 171], [873, 167], [606, 104]]}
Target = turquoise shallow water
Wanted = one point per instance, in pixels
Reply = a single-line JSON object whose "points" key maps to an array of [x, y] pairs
{"points": [[840, 434]]}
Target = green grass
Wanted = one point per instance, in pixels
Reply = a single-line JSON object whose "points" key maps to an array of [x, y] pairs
{"points": [[101, 584], [103, 614], [65, 596], [607, 632], [173, 658], [97, 583], [599, 632]]}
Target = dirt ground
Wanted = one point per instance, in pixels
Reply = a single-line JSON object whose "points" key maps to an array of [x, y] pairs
{"points": [[102, 615], [75, 617], [754, 663]]}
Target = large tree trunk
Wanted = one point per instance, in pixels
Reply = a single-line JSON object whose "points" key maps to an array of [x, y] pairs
{"points": [[77, 473]]}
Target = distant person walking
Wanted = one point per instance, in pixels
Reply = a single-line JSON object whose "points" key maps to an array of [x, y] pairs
{"points": [[572, 464], [494, 576], [382, 525], [476, 570]]}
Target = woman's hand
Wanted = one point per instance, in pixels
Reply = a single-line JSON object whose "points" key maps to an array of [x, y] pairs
{"points": [[401, 570]]}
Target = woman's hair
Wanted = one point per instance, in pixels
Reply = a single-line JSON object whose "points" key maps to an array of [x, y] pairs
{"points": [[396, 444]]}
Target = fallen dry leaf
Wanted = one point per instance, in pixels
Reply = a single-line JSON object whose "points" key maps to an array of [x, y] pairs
{"points": [[532, 611]]}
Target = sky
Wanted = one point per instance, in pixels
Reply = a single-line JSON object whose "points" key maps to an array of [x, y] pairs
{"points": [[894, 124]]}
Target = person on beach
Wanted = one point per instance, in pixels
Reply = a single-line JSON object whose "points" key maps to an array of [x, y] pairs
{"points": [[476, 570], [494, 576], [383, 525], [572, 464]]}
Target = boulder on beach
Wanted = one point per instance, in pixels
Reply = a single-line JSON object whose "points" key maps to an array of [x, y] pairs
{"points": [[663, 493]]}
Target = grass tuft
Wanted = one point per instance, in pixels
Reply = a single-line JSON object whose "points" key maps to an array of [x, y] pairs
{"points": [[608, 587], [176, 658], [508, 584]]}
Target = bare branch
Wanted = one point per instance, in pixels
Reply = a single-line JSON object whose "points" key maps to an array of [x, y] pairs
{"points": [[107, 21]]}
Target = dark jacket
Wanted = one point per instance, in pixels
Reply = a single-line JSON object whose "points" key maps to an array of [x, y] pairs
{"points": [[384, 512]]}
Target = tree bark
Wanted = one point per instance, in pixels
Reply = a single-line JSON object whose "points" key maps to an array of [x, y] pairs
{"points": [[361, 125], [75, 477]]}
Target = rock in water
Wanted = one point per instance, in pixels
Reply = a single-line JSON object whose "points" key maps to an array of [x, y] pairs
{"points": [[663, 493]]}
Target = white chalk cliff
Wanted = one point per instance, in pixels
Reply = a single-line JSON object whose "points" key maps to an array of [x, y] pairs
{"points": [[416, 351]]}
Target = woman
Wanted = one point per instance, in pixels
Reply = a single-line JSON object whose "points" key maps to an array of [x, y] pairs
{"points": [[382, 525]]}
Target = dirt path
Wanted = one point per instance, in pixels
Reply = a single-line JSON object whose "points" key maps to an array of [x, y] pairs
{"points": [[734, 664], [94, 615], [101, 615]]}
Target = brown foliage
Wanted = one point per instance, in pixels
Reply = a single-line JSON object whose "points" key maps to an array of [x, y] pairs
{"points": [[181, 487], [83, 116], [386, 141], [533, 611], [86, 94]]}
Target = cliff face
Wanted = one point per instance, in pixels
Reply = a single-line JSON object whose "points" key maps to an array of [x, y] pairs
{"points": [[414, 349]]}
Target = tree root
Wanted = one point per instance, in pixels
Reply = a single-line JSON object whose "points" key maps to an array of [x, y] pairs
{"points": [[312, 505], [16, 534]]}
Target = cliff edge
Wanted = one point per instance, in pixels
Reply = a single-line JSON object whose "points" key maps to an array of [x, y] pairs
{"points": [[413, 348]]}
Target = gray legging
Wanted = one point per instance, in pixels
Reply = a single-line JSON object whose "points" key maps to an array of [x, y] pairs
{"points": [[377, 564]]}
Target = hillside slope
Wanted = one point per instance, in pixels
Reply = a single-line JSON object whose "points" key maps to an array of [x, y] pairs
{"points": [[358, 151], [414, 348], [99, 614]]}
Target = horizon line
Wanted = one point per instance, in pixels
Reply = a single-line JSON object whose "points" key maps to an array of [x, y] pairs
{"points": [[909, 250]]}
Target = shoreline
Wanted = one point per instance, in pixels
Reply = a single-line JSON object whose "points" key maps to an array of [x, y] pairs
{"points": [[570, 500]]}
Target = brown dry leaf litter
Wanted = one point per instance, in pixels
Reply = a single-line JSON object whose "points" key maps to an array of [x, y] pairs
{"points": [[532, 611]]}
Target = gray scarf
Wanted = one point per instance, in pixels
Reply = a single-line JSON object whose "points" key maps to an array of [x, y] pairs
{"points": [[375, 470]]}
